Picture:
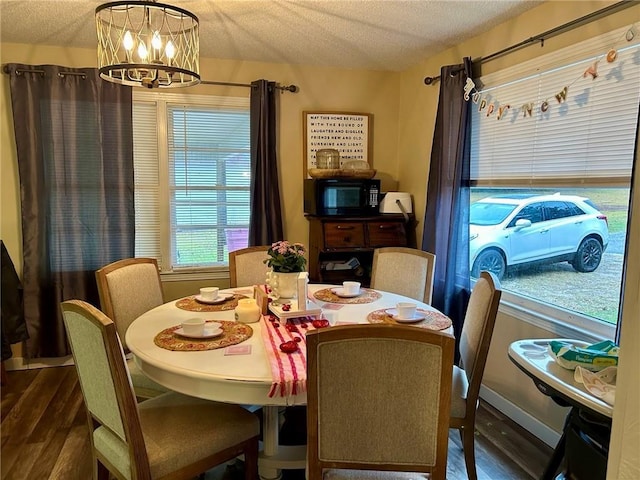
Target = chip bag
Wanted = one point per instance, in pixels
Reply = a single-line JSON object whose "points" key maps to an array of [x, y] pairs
{"points": [[593, 357]]}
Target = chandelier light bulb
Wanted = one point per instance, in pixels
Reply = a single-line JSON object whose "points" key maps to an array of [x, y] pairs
{"points": [[156, 40], [127, 42], [170, 50], [142, 51]]}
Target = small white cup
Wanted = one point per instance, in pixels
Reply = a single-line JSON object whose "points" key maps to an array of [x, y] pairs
{"points": [[406, 310], [351, 288], [209, 293], [193, 326]]}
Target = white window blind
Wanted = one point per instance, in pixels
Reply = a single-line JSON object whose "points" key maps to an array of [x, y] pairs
{"points": [[587, 139], [147, 181], [192, 161], [209, 168]]}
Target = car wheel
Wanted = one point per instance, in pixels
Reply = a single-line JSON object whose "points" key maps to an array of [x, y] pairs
{"points": [[490, 260], [588, 255]]}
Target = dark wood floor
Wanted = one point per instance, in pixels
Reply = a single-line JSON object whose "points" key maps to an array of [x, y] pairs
{"points": [[44, 435]]}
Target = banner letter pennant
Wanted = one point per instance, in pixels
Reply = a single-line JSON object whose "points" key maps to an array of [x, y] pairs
{"points": [[468, 87]]}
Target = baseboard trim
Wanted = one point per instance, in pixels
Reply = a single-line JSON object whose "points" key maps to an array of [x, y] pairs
{"points": [[527, 421], [21, 363]]}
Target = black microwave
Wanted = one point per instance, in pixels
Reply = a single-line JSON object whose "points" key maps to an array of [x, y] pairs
{"points": [[341, 196]]}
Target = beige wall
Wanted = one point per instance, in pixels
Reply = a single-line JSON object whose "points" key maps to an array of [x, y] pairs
{"points": [[404, 112], [418, 105], [329, 89]]}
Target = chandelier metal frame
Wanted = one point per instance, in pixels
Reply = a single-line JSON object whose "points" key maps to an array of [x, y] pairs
{"points": [[146, 43]]}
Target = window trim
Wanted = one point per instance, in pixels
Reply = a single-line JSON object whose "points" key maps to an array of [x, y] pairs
{"points": [[562, 322]]}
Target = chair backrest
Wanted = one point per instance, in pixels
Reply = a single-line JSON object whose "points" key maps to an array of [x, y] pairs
{"points": [[405, 271], [477, 331], [105, 383], [247, 267], [128, 288], [378, 398]]}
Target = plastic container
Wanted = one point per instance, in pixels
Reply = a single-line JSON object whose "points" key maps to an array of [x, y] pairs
{"points": [[328, 158], [356, 165]]}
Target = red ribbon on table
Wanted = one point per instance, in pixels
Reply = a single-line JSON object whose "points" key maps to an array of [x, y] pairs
{"points": [[289, 370]]}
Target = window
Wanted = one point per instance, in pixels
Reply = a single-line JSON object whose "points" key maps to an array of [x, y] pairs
{"points": [[551, 179], [192, 178]]}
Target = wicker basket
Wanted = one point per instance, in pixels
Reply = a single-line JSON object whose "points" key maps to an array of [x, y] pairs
{"points": [[341, 173]]}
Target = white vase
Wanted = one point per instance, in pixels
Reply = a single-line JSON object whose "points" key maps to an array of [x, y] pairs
{"points": [[283, 285]]}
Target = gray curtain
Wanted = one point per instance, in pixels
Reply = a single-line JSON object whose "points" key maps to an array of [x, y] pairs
{"points": [[266, 213], [446, 222], [74, 144]]}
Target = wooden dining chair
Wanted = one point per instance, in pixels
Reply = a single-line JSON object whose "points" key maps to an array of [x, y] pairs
{"points": [[247, 267], [171, 436], [475, 339], [128, 288], [378, 400], [405, 271]]}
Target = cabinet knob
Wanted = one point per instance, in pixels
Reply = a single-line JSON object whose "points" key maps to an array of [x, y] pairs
{"points": [[344, 227], [387, 227]]}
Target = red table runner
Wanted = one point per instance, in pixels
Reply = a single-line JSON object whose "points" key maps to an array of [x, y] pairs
{"points": [[289, 370]]}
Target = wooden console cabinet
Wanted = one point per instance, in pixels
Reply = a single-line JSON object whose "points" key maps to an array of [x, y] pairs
{"points": [[335, 242]]}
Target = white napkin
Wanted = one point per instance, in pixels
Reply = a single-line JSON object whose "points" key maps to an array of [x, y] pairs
{"points": [[600, 384]]}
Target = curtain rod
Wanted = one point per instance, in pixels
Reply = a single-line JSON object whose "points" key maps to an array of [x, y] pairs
{"points": [[548, 34], [288, 88], [20, 71]]}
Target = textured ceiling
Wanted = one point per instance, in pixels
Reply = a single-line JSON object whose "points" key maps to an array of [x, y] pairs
{"points": [[379, 35]]}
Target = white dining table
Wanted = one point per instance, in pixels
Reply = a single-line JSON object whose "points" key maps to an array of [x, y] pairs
{"points": [[239, 379]]}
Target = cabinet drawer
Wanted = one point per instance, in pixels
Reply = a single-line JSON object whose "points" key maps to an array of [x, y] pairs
{"points": [[343, 235], [387, 234]]}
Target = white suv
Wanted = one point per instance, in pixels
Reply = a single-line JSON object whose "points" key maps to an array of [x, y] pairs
{"points": [[518, 229]]}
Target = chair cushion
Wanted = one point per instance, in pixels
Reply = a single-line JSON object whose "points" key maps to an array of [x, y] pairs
{"points": [[180, 430], [143, 386], [459, 387], [339, 474]]}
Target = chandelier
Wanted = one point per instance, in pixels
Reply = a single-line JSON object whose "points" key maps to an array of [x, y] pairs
{"points": [[150, 44]]}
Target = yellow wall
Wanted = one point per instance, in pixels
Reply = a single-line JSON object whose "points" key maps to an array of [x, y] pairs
{"points": [[418, 105], [404, 112], [329, 89]]}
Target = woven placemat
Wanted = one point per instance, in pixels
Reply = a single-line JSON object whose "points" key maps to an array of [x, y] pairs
{"points": [[367, 296], [191, 304], [433, 320], [233, 333]]}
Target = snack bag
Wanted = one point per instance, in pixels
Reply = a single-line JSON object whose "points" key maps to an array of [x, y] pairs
{"points": [[593, 357]]}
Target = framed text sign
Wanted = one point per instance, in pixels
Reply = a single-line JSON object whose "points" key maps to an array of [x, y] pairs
{"points": [[346, 132]]}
